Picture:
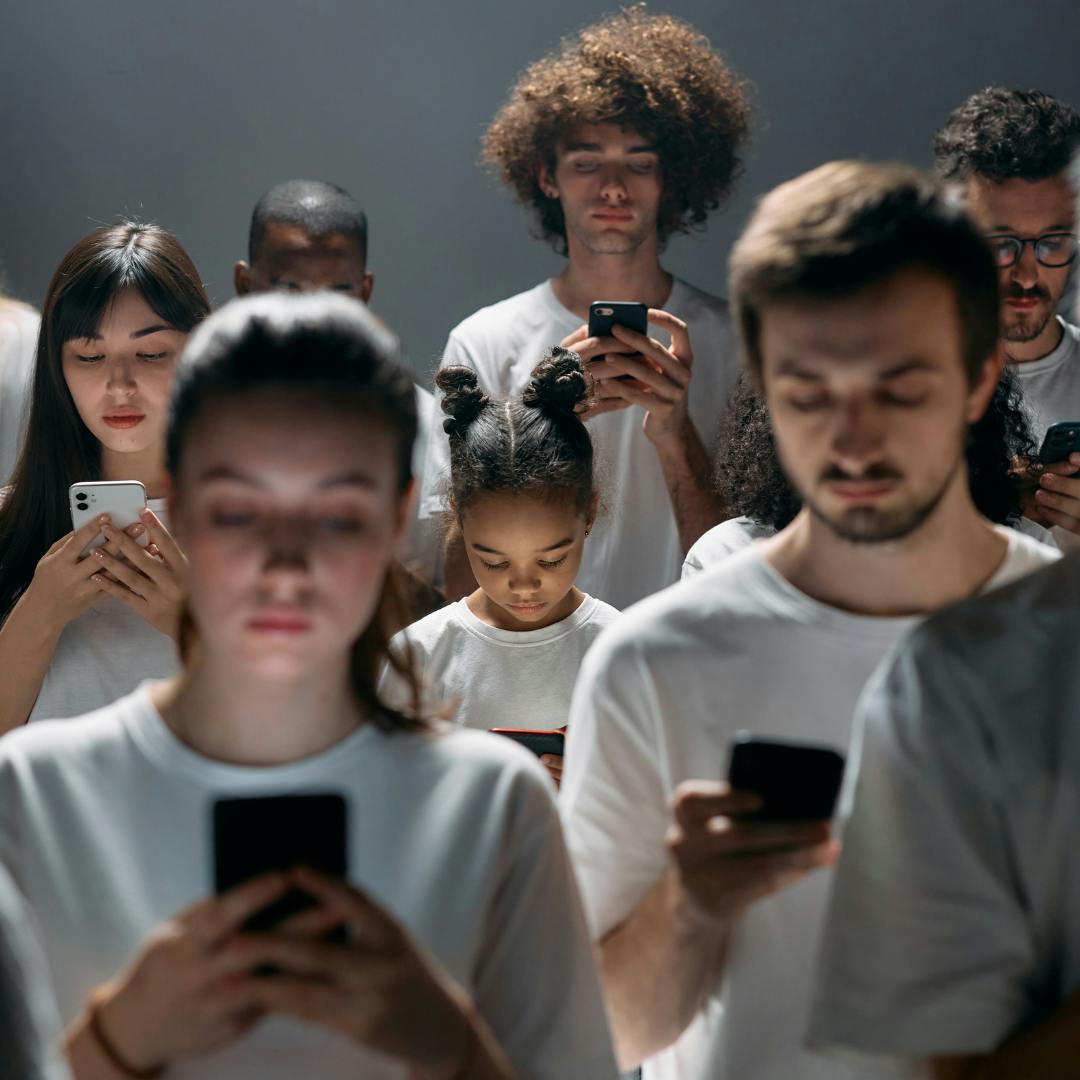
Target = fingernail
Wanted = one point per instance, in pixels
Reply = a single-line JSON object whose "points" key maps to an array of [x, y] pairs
{"points": [[1048, 479], [103, 519], [137, 530], [99, 554], [109, 531], [145, 512]]}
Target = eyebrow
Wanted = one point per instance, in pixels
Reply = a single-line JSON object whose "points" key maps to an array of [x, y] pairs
{"points": [[1060, 227], [539, 551], [596, 148], [791, 369], [229, 473], [146, 331]]}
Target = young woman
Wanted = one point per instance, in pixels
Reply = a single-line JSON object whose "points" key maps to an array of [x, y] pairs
{"points": [[289, 455], [75, 632], [523, 492]]}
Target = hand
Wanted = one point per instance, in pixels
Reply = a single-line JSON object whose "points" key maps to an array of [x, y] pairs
{"points": [[149, 580], [554, 765], [380, 990], [64, 583], [592, 351], [184, 993], [724, 864], [1057, 498]]}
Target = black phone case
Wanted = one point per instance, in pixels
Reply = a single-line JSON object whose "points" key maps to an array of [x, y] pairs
{"points": [[796, 782], [631, 314], [539, 742], [1061, 440]]}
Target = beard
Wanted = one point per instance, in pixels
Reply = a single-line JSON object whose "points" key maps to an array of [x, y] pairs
{"points": [[1028, 326]]}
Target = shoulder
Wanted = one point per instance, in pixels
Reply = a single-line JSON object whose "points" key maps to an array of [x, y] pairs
{"points": [[496, 320], [601, 614], [723, 540], [426, 633], [695, 306], [1027, 552]]}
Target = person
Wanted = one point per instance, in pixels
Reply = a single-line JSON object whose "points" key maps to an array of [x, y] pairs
{"points": [[311, 234], [79, 632], [525, 497], [18, 336], [289, 455], [867, 306], [952, 940], [749, 470], [627, 135], [1010, 151], [29, 1026]]}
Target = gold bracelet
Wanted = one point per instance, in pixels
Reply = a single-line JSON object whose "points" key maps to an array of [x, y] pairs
{"points": [[97, 1030]]}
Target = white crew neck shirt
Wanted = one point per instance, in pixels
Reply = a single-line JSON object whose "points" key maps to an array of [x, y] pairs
{"points": [[955, 918], [634, 549], [103, 654], [500, 678], [18, 349], [1051, 384], [659, 700], [105, 824]]}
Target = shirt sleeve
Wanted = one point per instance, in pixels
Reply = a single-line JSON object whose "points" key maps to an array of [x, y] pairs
{"points": [[926, 950], [536, 983], [614, 800]]}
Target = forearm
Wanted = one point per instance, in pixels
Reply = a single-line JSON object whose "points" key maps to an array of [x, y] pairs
{"points": [[27, 644], [688, 473], [657, 967], [86, 1056], [458, 573], [1049, 1050]]}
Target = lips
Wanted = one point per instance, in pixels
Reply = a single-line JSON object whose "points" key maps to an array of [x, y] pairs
{"points": [[124, 420], [527, 609], [612, 215], [282, 621], [862, 492]]}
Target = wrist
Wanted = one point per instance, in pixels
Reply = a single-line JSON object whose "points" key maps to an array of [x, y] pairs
{"points": [[673, 442], [119, 1035], [688, 921], [40, 621]]}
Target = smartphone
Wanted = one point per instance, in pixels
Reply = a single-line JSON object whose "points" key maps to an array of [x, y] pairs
{"points": [[539, 742], [120, 499], [254, 836], [1060, 441], [604, 314], [796, 781]]}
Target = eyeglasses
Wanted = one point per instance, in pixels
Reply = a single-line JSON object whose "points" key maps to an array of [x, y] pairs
{"points": [[1051, 249]]}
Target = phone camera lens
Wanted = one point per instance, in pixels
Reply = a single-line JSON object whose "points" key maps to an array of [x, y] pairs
{"points": [[82, 506], [80, 496]]}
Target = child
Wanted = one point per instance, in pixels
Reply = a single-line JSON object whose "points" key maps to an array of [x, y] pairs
{"points": [[523, 492]]}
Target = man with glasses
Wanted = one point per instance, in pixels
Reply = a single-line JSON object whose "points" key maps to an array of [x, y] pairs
{"points": [[1011, 149]]}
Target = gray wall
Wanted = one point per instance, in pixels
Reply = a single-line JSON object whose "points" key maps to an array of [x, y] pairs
{"points": [[184, 113]]}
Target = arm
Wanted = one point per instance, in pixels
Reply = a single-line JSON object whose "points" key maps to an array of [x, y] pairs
{"points": [[698, 506]]}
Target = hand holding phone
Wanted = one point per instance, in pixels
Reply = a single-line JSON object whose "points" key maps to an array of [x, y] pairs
{"points": [[122, 500], [795, 781]]}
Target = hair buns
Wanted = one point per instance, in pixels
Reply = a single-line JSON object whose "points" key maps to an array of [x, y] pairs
{"points": [[462, 398], [558, 384]]}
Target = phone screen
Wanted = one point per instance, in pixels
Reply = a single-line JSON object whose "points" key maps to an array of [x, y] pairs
{"points": [[796, 781]]}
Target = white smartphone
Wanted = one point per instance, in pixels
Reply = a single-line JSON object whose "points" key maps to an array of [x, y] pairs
{"points": [[120, 499]]}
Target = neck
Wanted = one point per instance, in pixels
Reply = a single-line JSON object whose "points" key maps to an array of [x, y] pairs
{"points": [[634, 275], [1024, 352], [950, 556], [244, 719], [146, 466]]}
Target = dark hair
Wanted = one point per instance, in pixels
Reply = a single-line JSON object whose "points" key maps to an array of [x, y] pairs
{"points": [[331, 349], [653, 74], [749, 473], [846, 225], [316, 206], [534, 443], [1004, 134], [58, 449]]}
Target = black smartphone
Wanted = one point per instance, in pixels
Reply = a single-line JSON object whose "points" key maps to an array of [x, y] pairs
{"points": [[1061, 440], [604, 314], [257, 835], [539, 742], [796, 781]]}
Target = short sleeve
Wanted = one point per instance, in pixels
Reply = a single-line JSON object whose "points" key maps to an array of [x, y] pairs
{"points": [[926, 950], [614, 801]]}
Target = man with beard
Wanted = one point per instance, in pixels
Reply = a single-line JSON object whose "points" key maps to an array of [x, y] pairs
{"points": [[628, 134], [1010, 149], [867, 305]]}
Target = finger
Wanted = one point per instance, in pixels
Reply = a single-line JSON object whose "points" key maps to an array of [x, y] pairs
{"points": [[216, 917], [290, 995], [664, 387], [1063, 484], [1049, 517], [699, 800], [373, 925], [124, 573], [82, 536], [728, 838], [663, 357], [312, 923], [161, 538], [591, 348], [1062, 503], [121, 592], [300, 956], [601, 407], [137, 556], [571, 341], [1063, 468], [679, 331]]}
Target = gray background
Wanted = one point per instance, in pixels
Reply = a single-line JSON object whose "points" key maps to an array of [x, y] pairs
{"points": [[183, 114]]}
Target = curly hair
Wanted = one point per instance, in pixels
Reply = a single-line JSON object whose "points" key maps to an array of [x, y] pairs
{"points": [[749, 474], [653, 74], [1004, 134]]}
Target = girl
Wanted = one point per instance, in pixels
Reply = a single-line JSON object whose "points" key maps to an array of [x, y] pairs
{"points": [[78, 632], [523, 492], [289, 453]]}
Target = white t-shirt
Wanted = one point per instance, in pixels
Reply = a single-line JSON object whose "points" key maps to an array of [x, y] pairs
{"points": [[423, 542], [30, 1035], [659, 699], [501, 678], [103, 654], [737, 533], [1051, 385], [105, 824], [956, 913], [634, 549], [18, 348]]}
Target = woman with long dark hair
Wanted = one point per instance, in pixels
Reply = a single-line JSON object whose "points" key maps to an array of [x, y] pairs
{"points": [[467, 956], [79, 632]]}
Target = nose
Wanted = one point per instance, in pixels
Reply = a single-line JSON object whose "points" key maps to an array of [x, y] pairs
{"points": [[286, 554], [613, 186], [121, 377], [524, 581], [1025, 271], [857, 437]]}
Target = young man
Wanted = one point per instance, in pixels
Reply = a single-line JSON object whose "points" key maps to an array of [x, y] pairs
{"points": [[867, 306], [630, 133], [954, 932], [310, 234], [1010, 150]]}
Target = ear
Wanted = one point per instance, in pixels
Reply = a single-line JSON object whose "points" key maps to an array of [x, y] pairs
{"points": [[546, 182], [987, 382], [367, 287], [242, 278]]}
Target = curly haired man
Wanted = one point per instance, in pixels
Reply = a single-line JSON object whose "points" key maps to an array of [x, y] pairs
{"points": [[1010, 149], [629, 133]]}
